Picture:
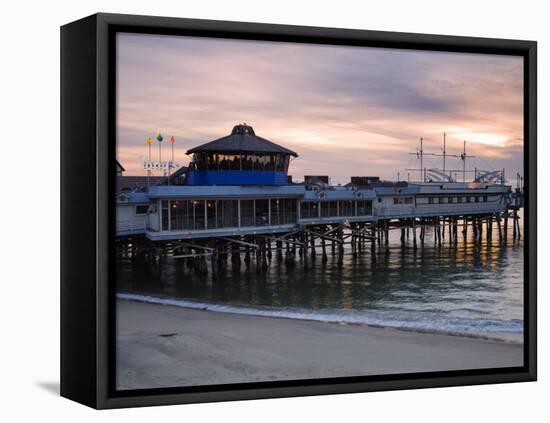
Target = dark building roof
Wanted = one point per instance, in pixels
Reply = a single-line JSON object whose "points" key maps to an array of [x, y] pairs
{"points": [[315, 178], [243, 140], [178, 174], [119, 167], [131, 183]]}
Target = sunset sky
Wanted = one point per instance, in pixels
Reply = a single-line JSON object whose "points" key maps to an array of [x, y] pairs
{"points": [[345, 110]]}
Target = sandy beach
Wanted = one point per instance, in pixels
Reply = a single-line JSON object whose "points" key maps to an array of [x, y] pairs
{"points": [[167, 346]]}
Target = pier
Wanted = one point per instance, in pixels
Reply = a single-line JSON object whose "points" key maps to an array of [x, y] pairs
{"points": [[236, 203]]}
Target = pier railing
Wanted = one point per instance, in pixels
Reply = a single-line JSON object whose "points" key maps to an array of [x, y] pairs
{"points": [[129, 227], [186, 223]]}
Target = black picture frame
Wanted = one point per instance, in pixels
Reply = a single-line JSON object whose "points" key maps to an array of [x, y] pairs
{"points": [[87, 179]]}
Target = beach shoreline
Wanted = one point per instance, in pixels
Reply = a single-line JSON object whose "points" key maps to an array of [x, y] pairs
{"points": [[168, 346], [277, 313]]}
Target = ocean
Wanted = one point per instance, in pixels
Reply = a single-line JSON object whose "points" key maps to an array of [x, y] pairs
{"points": [[464, 289]]}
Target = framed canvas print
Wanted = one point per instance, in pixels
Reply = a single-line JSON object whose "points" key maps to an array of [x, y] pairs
{"points": [[253, 211]]}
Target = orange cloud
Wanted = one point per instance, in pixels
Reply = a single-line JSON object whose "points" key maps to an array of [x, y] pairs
{"points": [[345, 110]]}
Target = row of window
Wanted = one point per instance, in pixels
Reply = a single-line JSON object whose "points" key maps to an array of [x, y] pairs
{"points": [[256, 162], [403, 200], [458, 199], [343, 208], [212, 214]]}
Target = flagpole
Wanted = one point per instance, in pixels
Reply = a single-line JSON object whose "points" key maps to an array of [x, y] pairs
{"points": [[159, 139], [149, 143], [172, 141]]}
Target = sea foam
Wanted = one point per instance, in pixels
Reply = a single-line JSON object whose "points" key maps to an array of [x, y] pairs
{"points": [[510, 331]]}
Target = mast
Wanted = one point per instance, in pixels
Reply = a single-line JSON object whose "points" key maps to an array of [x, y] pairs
{"points": [[464, 163], [444, 149], [159, 139], [464, 156], [149, 143], [422, 178]]}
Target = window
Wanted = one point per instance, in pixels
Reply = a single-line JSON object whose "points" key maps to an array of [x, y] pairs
{"points": [[270, 164], [247, 212], [201, 161], [198, 214], [227, 214], [450, 200], [211, 214], [181, 215], [485, 198], [165, 215], [468, 199], [346, 208], [141, 209], [403, 200], [477, 198], [441, 200], [262, 212], [364, 208], [329, 208], [459, 199], [309, 210], [283, 211], [431, 200]]}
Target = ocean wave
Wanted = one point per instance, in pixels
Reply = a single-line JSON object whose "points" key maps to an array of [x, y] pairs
{"points": [[510, 331]]}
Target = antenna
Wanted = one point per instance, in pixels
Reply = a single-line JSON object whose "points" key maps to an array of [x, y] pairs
{"points": [[420, 155], [444, 149], [463, 157], [159, 139], [172, 142], [149, 143], [422, 175]]}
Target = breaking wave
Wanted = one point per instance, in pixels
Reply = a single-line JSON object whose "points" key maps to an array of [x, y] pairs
{"points": [[509, 331]]}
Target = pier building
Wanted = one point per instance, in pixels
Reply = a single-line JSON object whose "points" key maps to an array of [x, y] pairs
{"points": [[237, 190]]}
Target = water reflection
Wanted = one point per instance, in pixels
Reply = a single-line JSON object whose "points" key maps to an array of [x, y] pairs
{"points": [[462, 287]]}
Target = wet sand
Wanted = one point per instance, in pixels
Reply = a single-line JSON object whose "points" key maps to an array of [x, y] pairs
{"points": [[167, 346]]}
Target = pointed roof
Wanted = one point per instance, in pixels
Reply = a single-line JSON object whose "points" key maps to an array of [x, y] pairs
{"points": [[119, 167], [242, 139]]}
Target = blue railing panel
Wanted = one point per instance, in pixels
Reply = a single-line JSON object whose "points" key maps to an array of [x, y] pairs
{"points": [[235, 177]]}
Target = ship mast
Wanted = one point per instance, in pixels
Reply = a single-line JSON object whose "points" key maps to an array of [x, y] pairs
{"points": [[420, 153], [422, 174], [464, 156], [444, 149]]}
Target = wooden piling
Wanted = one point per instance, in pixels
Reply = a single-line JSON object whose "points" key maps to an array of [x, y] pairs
{"points": [[324, 250], [414, 234], [506, 226]]}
